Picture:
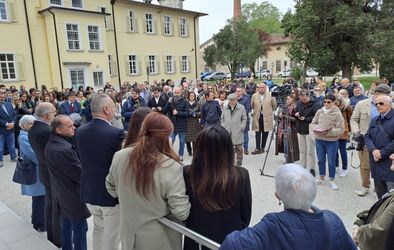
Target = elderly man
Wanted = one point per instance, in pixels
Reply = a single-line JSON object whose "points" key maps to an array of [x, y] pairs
{"points": [[358, 96], [363, 114], [7, 124], [96, 143], [380, 143], [263, 105], [65, 173], [347, 85], [234, 120], [38, 138], [144, 92]]}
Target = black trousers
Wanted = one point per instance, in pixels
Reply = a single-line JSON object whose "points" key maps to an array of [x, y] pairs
{"points": [[190, 146], [38, 212], [261, 136], [382, 187], [52, 220]]}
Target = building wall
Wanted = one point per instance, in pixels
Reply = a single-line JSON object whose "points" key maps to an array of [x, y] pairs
{"points": [[14, 40], [275, 60]]}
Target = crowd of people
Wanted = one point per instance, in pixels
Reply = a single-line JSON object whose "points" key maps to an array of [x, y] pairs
{"points": [[108, 154]]}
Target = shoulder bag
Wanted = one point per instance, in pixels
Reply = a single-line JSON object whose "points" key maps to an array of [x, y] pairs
{"points": [[25, 172]]}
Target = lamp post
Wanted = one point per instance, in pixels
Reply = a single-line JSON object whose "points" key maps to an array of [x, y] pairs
{"points": [[272, 68]]}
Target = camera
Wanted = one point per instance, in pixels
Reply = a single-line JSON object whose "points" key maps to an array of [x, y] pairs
{"points": [[359, 138], [281, 93]]}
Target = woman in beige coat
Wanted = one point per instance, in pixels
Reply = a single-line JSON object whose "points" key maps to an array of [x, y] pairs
{"points": [[148, 180]]}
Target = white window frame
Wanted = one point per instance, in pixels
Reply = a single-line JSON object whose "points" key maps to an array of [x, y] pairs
{"points": [[132, 64], [151, 29], [79, 37], [110, 64], [77, 7], [183, 27], [185, 67], [7, 67], [167, 25], [169, 64], [94, 80], [96, 42], [152, 65], [78, 68], [132, 25], [5, 11], [55, 4]]}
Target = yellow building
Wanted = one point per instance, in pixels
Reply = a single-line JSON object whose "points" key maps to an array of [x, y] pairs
{"points": [[72, 43]]}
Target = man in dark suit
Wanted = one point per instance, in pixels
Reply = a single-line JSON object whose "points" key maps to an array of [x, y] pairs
{"points": [[158, 102], [38, 138], [96, 143], [71, 105], [65, 174], [7, 122]]}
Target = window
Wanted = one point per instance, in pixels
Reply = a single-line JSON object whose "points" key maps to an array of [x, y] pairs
{"points": [[182, 27], [110, 62], [185, 64], [77, 77], [167, 25], [169, 62], [132, 22], [133, 64], [77, 3], [94, 39], [56, 2], [98, 79], [73, 36], [278, 66], [265, 65], [3, 10], [149, 23], [152, 65], [7, 64]]}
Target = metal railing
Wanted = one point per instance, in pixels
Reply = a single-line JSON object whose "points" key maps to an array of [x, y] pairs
{"points": [[198, 238]]}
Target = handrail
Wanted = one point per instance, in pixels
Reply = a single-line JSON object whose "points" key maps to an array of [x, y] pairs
{"points": [[201, 240]]}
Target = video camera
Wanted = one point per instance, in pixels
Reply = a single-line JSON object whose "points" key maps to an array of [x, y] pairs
{"points": [[359, 138], [281, 93]]}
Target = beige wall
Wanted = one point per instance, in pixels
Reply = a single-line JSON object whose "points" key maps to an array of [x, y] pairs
{"points": [[14, 40], [276, 55]]}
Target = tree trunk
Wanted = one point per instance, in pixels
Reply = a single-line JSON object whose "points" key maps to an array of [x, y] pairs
{"points": [[347, 70], [303, 74]]}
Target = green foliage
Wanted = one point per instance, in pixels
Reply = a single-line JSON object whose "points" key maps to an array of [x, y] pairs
{"points": [[210, 55], [330, 35], [263, 17], [296, 73]]}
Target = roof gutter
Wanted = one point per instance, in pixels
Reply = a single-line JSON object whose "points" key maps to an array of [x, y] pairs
{"points": [[31, 45], [57, 48], [116, 43], [195, 44]]}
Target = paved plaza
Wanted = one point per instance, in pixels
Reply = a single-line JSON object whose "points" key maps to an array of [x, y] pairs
{"points": [[343, 202]]}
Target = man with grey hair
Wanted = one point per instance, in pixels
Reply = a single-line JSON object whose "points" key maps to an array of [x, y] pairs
{"points": [[96, 143], [38, 138], [300, 226]]}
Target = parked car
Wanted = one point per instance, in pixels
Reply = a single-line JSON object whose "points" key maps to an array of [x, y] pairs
{"points": [[285, 73], [204, 74], [312, 73], [215, 76], [264, 73], [244, 74], [228, 75]]}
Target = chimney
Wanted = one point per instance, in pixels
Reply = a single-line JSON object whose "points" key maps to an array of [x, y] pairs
{"points": [[237, 9]]}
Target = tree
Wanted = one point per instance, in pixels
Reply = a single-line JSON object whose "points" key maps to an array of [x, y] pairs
{"points": [[330, 35], [210, 56], [264, 17]]}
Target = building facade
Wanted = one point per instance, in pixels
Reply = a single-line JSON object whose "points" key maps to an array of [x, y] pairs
{"points": [[73, 43]]}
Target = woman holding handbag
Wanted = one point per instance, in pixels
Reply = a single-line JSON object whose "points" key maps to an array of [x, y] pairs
{"points": [[36, 190]]}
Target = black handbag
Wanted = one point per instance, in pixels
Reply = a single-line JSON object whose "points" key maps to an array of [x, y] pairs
{"points": [[25, 172]]}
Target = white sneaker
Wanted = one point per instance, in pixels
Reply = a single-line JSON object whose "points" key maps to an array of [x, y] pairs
{"points": [[364, 191], [343, 173], [333, 186], [320, 182]]}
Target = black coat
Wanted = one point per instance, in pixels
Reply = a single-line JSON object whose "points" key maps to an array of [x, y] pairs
{"points": [[180, 119], [216, 225], [65, 174], [38, 138], [96, 143], [308, 111], [163, 103]]}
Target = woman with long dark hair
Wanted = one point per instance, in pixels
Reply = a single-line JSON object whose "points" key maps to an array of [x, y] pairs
{"points": [[219, 192], [148, 181], [135, 125]]}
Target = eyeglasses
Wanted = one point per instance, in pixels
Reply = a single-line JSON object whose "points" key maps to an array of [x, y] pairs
{"points": [[328, 102], [379, 103]]}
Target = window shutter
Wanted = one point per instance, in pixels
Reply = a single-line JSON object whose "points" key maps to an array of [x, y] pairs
{"points": [[110, 25], [114, 67], [1, 76], [188, 65], [135, 25], [128, 26], [179, 27], [20, 67], [187, 30], [163, 28], [155, 28], [157, 66], [127, 65], [12, 11], [171, 28], [145, 25], [174, 65]]}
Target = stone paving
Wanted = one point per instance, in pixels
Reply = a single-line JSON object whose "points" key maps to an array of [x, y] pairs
{"points": [[343, 202]]}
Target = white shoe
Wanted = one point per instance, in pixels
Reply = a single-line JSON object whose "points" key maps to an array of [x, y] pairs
{"points": [[336, 169], [320, 182], [364, 191], [343, 173], [333, 186]]}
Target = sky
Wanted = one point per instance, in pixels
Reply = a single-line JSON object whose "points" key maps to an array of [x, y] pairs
{"points": [[220, 10]]}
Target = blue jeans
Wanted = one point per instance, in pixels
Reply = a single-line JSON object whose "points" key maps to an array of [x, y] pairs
{"points": [[246, 135], [9, 140], [342, 150], [182, 140], [74, 234], [326, 149]]}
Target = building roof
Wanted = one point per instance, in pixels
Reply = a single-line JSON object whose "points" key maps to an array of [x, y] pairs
{"points": [[160, 7], [72, 9]]}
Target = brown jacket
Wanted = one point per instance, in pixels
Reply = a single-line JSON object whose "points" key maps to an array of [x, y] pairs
{"points": [[331, 120], [269, 105], [346, 114]]}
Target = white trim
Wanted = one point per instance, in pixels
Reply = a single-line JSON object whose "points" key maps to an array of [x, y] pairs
{"points": [[98, 71], [99, 37], [78, 67], [172, 64], [52, 4], [82, 3], [79, 36], [153, 23], [186, 31], [187, 64], [156, 64], [137, 70], [16, 70], [7, 14]]}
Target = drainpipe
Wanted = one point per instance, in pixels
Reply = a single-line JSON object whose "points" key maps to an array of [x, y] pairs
{"points": [[195, 45], [116, 43], [58, 50], [31, 45]]}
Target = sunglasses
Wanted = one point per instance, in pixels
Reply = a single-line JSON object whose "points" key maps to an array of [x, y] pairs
{"points": [[379, 103], [328, 102]]}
